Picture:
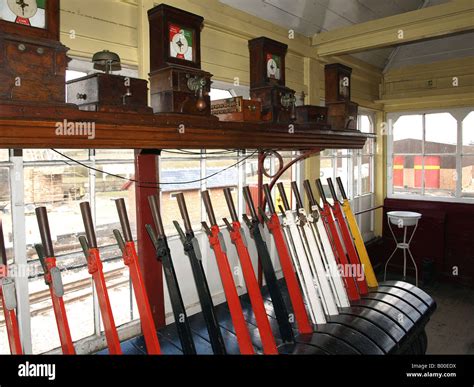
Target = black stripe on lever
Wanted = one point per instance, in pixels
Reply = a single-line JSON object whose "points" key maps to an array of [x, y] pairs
{"points": [[309, 193], [3, 253], [122, 213], [332, 190], [296, 192], [341, 188], [230, 204], [268, 197], [319, 185], [210, 211], [88, 224], [250, 203], [184, 212], [155, 213], [119, 239], [284, 198], [43, 224]]}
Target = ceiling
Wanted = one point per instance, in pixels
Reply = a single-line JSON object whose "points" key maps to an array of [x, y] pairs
{"points": [[309, 17]]}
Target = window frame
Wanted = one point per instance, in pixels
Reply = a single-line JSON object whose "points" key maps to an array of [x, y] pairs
{"points": [[459, 114]]}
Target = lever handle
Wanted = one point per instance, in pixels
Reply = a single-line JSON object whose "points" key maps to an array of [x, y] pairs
{"points": [[84, 245], [319, 185], [341, 188], [40, 252], [122, 212], [249, 201], [268, 197], [284, 198], [230, 204], [184, 212], [3, 254], [332, 190], [155, 213], [210, 211], [151, 234], [43, 224], [88, 224], [309, 193], [296, 192], [119, 239]]}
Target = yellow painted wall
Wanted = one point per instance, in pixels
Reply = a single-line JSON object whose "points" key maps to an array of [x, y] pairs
{"points": [[429, 86]]}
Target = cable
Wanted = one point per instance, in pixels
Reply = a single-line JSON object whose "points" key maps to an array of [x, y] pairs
{"points": [[151, 184]]}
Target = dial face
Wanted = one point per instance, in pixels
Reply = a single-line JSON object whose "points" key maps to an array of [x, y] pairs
{"points": [[26, 12], [273, 66], [344, 86], [181, 42]]}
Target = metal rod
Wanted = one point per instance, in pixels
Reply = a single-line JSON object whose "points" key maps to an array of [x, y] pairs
{"points": [[341, 188], [296, 192], [184, 212], [230, 204], [155, 213], [122, 213], [319, 185], [210, 211], [120, 241], [368, 210], [3, 254], [284, 198], [268, 197], [309, 193], [332, 189], [250, 203], [88, 224], [43, 224]]}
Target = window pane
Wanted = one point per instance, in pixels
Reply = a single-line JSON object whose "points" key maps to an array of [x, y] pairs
{"points": [[408, 134], [440, 175], [369, 147], [180, 172], [216, 183], [219, 94], [327, 153], [60, 189], [366, 175], [468, 134], [468, 175], [181, 153], [441, 133], [404, 174], [49, 155], [366, 124], [5, 215], [114, 154], [107, 189], [4, 155]]}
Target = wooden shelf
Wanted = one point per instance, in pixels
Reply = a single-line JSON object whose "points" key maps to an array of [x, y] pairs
{"points": [[28, 126]]}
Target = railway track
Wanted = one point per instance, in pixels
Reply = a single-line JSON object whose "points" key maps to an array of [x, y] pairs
{"points": [[74, 291]]}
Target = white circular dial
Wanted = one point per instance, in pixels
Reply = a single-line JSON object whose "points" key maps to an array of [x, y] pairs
{"points": [[180, 43], [272, 68], [23, 8]]}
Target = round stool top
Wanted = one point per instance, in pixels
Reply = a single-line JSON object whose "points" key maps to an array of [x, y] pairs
{"points": [[404, 218]]}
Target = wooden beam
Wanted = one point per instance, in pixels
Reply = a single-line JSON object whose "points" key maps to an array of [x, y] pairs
{"points": [[453, 17], [36, 127]]}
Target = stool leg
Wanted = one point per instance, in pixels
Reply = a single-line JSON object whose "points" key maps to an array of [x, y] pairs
{"points": [[404, 253], [386, 264], [416, 268]]}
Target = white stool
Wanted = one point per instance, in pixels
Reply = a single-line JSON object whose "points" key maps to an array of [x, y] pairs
{"points": [[403, 219]]}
